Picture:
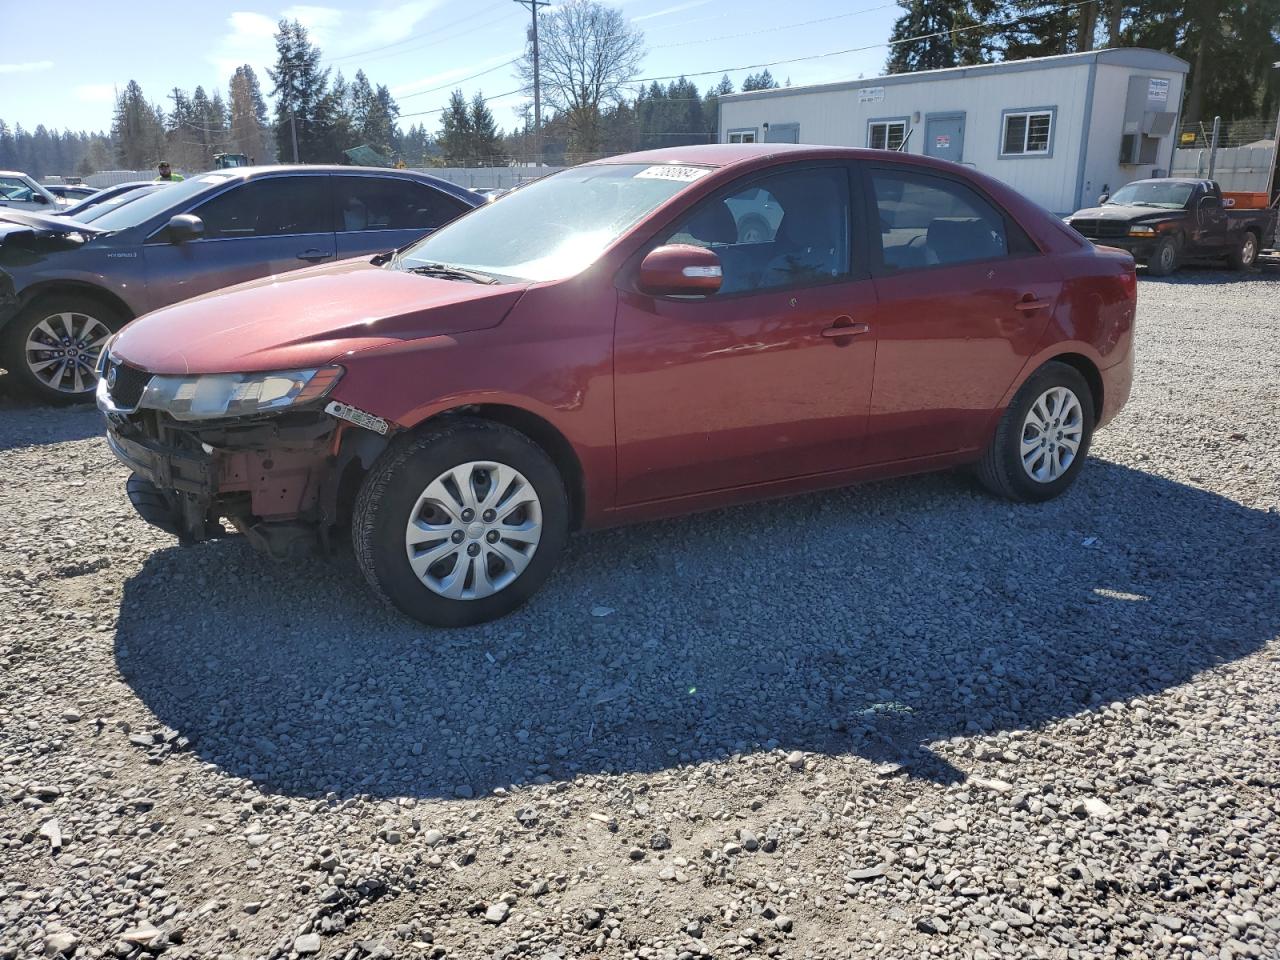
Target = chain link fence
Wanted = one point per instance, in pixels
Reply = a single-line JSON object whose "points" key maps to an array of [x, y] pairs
{"points": [[1242, 160]]}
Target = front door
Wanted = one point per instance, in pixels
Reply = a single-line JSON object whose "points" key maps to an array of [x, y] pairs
{"points": [[749, 385], [259, 228], [944, 136], [963, 300]]}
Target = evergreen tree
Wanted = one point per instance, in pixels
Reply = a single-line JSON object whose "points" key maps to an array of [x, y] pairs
{"points": [[484, 131], [248, 131], [935, 34], [137, 129], [455, 129], [303, 103], [759, 81]]}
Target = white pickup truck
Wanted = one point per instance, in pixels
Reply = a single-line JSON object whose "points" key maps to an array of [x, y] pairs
{"points": [[20, 192]]}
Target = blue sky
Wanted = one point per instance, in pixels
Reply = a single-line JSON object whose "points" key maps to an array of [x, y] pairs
{"points": [[413, 46]]}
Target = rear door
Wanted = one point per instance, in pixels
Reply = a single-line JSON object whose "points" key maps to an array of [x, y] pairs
{"points": [[376, 212], [258, 228], [963, 298]]}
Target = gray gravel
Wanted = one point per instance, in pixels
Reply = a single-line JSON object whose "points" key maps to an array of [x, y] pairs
{"points": [[900, 720]]}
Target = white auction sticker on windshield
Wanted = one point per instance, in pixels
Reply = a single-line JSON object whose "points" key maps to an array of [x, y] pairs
{"points": [[669, 171]]}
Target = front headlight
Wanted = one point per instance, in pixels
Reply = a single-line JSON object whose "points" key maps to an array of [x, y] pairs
{"points": [[1141, 231], [212, 395]]}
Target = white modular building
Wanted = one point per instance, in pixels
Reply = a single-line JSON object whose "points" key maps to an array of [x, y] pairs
{"points": [[1061, 130]]}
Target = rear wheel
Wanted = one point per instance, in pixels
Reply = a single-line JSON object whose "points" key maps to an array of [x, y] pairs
{"points": [[1245, 255], [1164, 260], [52, 346], [1043, 438], [461, 524]]}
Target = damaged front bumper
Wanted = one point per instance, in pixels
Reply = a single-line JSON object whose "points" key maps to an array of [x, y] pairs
{"points": [[281, 480]]}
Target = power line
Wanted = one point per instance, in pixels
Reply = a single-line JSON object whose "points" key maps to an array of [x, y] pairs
{"points": [[412, 39], [775, 29], [454, 83], [871, 46], [423, 113]]}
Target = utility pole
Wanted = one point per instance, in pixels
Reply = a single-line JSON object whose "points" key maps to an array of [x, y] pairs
{"points": [[293, 129], [533, 6]]}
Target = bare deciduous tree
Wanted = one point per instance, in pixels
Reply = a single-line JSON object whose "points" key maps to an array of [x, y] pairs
{"points": [[587, 52]]}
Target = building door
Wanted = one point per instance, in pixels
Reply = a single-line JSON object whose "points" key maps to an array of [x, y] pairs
{"points": [[782, 133], [944, 137]]}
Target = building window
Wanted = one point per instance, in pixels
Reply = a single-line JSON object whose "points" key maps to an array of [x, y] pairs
{"points": [[742, 136], [1027, 133], [886, 134]]}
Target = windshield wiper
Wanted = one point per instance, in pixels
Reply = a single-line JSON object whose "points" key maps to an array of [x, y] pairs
{"points": [[448, 272]]}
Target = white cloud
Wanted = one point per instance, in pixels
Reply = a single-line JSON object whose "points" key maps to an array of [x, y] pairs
{"points": [[667, 11], [31, 67], [391, 25], [250, 37], [95, 92]]}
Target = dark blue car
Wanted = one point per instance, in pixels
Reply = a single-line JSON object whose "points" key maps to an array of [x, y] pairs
{"points": [[66, 285]]}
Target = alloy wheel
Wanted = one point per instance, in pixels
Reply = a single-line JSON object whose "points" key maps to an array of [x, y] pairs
{"points": [[1249, 250], [1052, 432], [62, 351], [473, 530]]}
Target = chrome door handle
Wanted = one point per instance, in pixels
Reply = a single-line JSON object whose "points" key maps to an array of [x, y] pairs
{"points": [[847, 328], [1026, 306]]}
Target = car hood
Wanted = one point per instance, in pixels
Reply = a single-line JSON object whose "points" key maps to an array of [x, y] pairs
{"points": [[15, 224], [308, 318], [1120, 211]]}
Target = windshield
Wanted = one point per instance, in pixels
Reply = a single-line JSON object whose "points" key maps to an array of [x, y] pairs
{"points": [[142, 209], [1153, 193], [555, 227], [100, 209]]}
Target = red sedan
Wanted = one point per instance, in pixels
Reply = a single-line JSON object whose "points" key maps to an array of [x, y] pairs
{"points": [[639, 337]]}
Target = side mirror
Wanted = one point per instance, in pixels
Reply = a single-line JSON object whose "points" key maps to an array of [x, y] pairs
{"points": [[1103, 198], [680, 269], [39, 198], [185, 226]]}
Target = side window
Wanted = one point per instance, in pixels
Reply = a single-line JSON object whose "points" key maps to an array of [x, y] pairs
{"points": [[11, 188], [392, 203], [270, 207], [784, 230], [886, 134], [930, 221]]}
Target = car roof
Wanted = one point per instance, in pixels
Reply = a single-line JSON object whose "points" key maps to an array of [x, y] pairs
{"points": [[267, 169], [724, 155]]}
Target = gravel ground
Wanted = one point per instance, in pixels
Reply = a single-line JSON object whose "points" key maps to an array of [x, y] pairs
{"points": [[900, 720]]}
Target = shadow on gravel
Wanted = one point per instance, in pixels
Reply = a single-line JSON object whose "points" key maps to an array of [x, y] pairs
{"points": [[30, 425], [871, 621]]}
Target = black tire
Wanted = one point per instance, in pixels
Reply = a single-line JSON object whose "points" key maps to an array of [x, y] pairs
{"points": [[1164, 259], [1245, 254], [23, 327], [1001, 470], [392, 488]]}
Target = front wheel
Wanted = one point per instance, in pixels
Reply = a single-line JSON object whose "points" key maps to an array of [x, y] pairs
{"points": [[461, 524], [1245, 255], [1164, 260], [52, 346], [1043, 438]]}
